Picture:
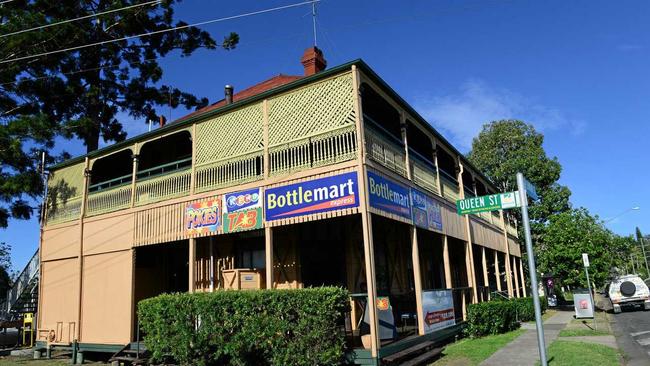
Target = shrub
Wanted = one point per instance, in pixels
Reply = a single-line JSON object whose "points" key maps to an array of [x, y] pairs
{"points": [[500, 315], [266, 327], [492, 317]]}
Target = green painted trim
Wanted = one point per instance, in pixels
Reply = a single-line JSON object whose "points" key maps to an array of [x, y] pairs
{"points": [[85, 347], [98, 347]]}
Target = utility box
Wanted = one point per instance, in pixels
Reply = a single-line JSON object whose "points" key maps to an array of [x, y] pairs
{"points": [[243, 279], [582, 304]]}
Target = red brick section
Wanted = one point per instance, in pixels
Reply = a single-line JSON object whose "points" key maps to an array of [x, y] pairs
{"points": [[313, 61]]}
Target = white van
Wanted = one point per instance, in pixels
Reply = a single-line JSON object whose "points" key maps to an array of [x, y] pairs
{"points": [[629, 291]]}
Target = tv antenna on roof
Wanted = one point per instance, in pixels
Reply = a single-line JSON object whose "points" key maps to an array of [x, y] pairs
{"points": [[313, 17]]}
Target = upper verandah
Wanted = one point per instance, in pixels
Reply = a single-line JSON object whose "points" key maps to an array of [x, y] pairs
{"points": [[303, 124]]}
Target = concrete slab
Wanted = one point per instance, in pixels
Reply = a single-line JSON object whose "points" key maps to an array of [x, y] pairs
{"points": [[523, 351]]}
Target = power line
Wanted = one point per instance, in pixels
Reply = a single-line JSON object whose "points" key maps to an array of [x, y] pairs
{"points": [[80, 18], [160, 31]]}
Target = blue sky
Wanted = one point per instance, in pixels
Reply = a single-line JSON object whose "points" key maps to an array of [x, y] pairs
{"points": [[578, 71]]}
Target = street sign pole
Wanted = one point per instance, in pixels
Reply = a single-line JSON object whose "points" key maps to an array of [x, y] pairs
{"points": [[531, 268], [591, 296]]}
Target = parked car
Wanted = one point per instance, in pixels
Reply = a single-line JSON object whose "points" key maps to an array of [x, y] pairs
{"points": [[629, 291]]}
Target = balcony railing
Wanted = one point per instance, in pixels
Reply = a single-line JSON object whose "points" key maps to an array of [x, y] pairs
{"points": [[320, 149], [163, 187], [109, 200], [450, 187], [230, 171], [423, 172], [388, 153], [65, 211]]}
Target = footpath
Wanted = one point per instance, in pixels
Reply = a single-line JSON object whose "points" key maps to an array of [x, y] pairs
{"points": [[523, 350]]}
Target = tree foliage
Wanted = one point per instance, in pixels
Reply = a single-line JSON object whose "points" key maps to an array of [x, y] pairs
{"points": [[504, 148], [78, 94], [571, 233]]}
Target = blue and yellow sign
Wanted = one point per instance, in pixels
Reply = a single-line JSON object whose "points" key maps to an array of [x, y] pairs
{"points": [[389, 196], [319, 195], [426, 211]]}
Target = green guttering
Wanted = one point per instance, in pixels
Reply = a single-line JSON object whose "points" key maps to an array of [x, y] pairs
{"points": [[294, 84]]}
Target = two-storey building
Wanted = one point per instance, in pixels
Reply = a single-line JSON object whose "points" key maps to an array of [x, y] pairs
{"points": [[326, 179]]}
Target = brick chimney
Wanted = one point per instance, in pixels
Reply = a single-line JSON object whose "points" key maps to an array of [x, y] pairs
{"points": [[313, 61]]}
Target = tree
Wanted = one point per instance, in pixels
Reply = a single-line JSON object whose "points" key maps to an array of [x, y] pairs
{"points": [[504, 148], [6, 272], [571, 233], [77, 94], [641, 241], [83, 90]]}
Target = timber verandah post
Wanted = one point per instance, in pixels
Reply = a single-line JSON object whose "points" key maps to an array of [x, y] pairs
{"points": [[268, 230], [415, 256], [486, 278], [366, 219], [523, 279], [84, 196], [506, 241], [514, 274], [469, 251]]}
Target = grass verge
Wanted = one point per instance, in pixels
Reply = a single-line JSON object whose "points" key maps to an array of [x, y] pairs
{"points": [[585, 327], [570, 353], [468, 351]]}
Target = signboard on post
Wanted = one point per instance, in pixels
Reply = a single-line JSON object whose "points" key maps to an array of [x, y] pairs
{"points": [[530, 190], [585, 259], [491, 202], [437, 310]]}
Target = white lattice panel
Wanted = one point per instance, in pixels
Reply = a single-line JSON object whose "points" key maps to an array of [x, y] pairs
{"points": [[320, 107], [234, 133]]}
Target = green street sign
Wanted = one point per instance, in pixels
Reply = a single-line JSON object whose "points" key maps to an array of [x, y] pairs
{"points": [[492, 202]]}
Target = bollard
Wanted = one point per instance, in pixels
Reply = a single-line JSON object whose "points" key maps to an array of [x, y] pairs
{"points": [[37, 354], [80, 358]]}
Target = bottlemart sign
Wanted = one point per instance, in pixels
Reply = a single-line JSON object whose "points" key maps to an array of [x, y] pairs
{"points": [[492, 202]]}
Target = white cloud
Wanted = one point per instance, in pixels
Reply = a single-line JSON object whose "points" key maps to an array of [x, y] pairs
{"points": [[460, 116]]}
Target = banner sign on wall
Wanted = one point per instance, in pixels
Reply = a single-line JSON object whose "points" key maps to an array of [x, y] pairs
{"points": [[243, 200], [389, 196], [242, 220], [426, 211], [437, 310], [313, 196], [202, 217]]}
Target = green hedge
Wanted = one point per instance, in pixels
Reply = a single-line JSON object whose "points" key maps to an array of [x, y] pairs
{"points": [[500, 316], [266, 327]]}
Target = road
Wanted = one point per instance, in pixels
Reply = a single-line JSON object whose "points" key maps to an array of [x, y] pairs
{"points": [[632, 331]]}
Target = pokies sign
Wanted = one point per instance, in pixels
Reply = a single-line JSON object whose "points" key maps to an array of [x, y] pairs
{"points": [[313, 196], [389, 196], [202, 217]]}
